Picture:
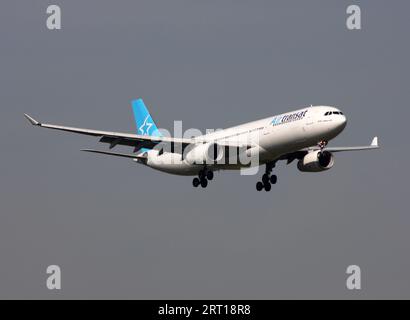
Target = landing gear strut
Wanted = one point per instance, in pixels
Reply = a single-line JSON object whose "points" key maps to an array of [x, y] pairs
{"points": [[322, 144], [203, 176], [267, 179]]}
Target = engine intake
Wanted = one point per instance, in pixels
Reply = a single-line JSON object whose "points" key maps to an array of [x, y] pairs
{"points": [[316, 161]]}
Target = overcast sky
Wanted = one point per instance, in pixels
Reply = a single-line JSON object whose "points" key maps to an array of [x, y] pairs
{"points": [[121, 230]]}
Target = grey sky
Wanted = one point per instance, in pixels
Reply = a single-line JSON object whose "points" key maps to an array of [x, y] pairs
{"points": [[119, 230]]}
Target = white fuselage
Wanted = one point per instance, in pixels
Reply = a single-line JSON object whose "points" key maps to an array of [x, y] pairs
{"points": [[270, 137]]}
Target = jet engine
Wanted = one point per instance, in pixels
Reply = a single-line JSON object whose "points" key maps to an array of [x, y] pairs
{"points": [[316, 161], [206, 153]]}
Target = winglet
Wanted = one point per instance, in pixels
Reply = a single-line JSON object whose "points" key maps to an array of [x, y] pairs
{"points": [[33, 121], [375, 142]]}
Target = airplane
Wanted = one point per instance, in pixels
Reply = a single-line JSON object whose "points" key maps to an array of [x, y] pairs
{"points": [[301, 135]]}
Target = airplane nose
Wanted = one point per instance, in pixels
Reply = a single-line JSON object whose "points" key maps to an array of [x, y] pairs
{"points": [[344, 121], [341, 123]]}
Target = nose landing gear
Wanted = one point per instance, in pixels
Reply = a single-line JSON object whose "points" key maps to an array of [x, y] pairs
{"points": [[267, 178], [203, 177], [322, 144]]}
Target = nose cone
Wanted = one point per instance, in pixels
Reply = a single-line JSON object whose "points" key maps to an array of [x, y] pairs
{"points": [[340, 123]]}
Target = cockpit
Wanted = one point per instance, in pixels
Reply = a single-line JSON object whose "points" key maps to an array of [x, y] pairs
{"points": [[332, 118], [328, 113]]}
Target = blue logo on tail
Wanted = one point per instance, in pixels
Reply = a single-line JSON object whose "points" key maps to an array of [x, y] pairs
{"points": [[143, 120], [146, 126]]}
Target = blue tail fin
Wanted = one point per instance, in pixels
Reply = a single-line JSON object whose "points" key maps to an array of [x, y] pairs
{"points": [[145, 124]]}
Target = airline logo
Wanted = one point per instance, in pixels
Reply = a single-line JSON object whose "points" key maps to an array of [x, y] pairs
{"points": [[288, 117], [146, 126]]}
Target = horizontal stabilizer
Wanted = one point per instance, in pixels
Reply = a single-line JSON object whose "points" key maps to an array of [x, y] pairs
{"points": [[124, 155]]}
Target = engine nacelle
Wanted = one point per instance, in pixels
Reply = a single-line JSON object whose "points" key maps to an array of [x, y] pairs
{"points": [[206, 153], [316, 161]]}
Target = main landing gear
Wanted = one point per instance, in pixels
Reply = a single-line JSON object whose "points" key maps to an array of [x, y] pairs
{"points": [[203, 177], [267, 179]]}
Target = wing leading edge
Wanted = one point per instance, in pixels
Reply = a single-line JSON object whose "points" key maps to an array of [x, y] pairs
{"points": [[115, 138], [373, 145], [301, 153]]}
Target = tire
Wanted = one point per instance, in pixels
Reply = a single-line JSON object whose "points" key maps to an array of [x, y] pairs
{"points": [[268, 186], [259, 186], [204, 183], [210, 175], [273, 179], [195, 182], [265, 178]]}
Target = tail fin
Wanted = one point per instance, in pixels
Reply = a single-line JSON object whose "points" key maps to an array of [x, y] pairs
{"points": [[143, 120]]}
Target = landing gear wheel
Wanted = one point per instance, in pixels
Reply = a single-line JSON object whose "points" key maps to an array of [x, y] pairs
{"points": [[265, 179], [195, 182], [204, 183], [273, 179], [210, 175]]}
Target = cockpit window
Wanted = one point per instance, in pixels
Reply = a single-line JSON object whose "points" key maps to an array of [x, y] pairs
{"points": [[333, 112]]}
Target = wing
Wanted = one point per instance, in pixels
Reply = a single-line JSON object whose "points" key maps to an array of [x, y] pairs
{"points": [[374, 145], [134, 140], [301, 153], [117, 138]]}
